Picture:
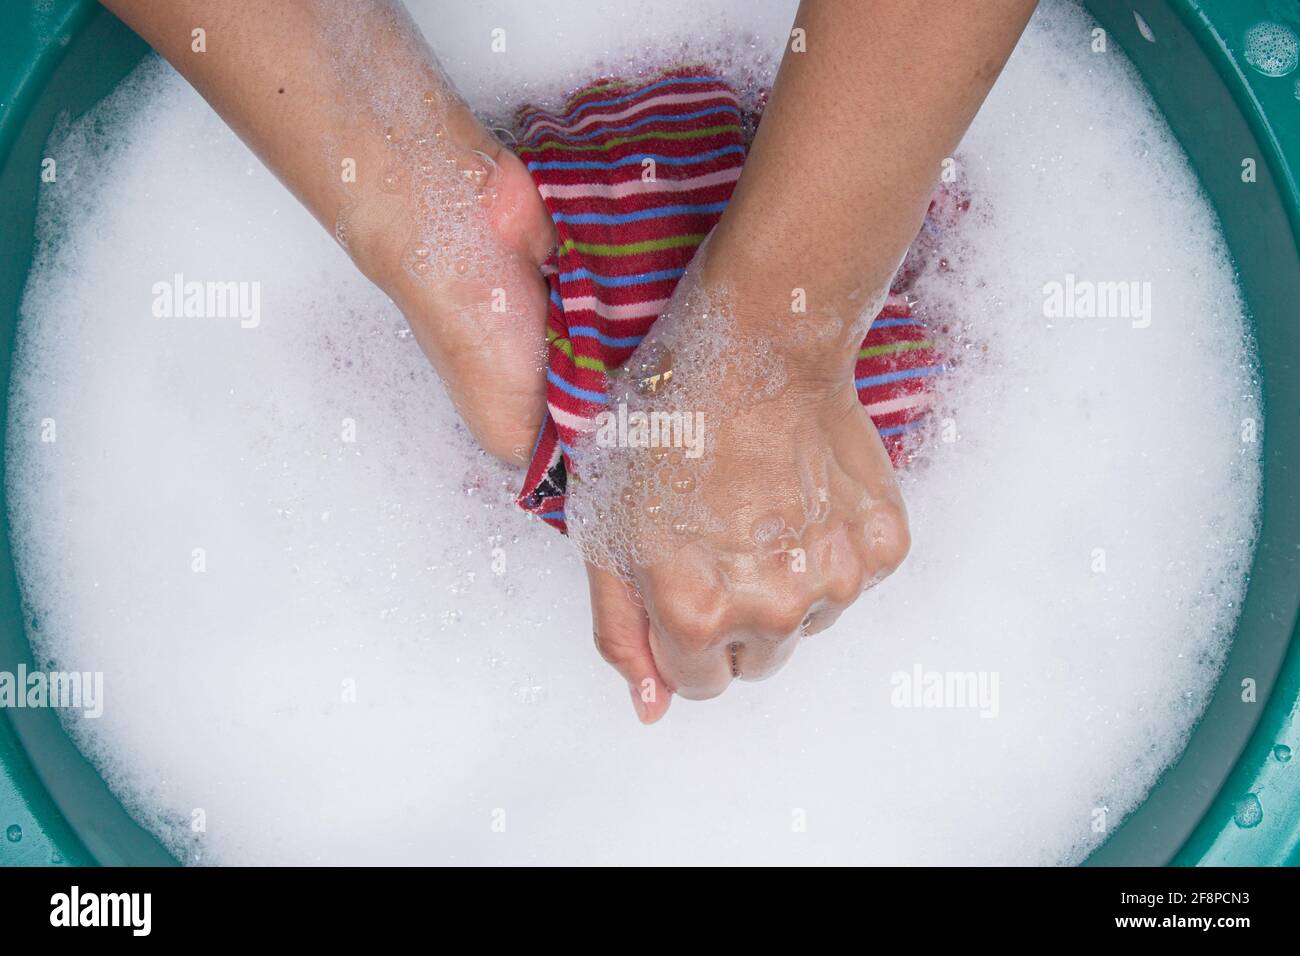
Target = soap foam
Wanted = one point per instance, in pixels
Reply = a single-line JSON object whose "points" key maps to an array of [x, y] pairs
{"points": [[440, 190], [634, 493], [1272, 48], [384, 660]]}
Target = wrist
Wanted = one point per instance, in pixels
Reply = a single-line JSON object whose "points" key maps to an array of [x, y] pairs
{"points": [[811, 323], [412, 184]]}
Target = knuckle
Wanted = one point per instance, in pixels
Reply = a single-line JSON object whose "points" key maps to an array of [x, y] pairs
{"points": [[783, 615], [689, 610], [688, 627], [607, 650], [888, 538], [846, 579]]}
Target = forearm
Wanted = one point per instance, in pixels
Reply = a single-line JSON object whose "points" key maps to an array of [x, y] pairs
{"points": [[308, 85], [852, 142]]}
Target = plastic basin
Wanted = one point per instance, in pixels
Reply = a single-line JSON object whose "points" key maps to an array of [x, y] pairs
{"points": [[67, 54]]}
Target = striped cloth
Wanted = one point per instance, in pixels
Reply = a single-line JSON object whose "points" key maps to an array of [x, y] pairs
{"points": [[635, 176]]}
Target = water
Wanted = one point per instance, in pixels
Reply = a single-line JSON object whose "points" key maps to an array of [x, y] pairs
{"points": [[323, 650]]}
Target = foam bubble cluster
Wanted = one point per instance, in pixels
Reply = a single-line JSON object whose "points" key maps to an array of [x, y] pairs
{"points": [[437, 188], [383, 660], [635, 491], [1272, 48]]}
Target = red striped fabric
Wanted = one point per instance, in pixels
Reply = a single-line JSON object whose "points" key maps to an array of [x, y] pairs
{"points": [[635, 176]]}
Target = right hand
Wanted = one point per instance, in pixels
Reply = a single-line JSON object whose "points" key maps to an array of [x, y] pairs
{"points": [[724, 562]]}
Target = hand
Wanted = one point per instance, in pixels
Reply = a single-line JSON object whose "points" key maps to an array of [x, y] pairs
{"points": [[347, 105], [709, 559], [480, 313]]}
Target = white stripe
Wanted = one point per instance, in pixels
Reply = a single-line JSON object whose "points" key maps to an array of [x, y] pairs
{"points": [[919, 400], [666, 99], [572, 422], [633, 310], [636, 186]]}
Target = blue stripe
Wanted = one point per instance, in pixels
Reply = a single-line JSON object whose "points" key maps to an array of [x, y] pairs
{"points": [[573, 390], [657, 118], [555, 515], [627, 98], [556, 300], [611, 219], [899, 429], [637, 160], [617, 282], [903, 376], [590, 332], [893, 323], [538, 442]]}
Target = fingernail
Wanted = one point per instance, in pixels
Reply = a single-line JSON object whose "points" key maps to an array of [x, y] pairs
{"points": [[642, 711]]}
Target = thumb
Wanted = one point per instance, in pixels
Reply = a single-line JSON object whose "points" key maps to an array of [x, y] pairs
{"points": [[623, 638]]}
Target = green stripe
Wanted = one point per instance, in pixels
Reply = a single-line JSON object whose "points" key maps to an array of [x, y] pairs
{"points": [[894, 347], [582, 361], [703, 133], [598, 87], [633, 248]]}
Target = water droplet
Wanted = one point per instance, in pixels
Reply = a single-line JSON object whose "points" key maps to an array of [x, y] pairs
{"points": [[14, 833], [1272, 49], [1282, 753], [1248, 812], [653, 506], [478, 169]]}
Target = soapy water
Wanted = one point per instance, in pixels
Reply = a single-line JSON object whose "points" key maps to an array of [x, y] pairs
{"points": [[329, 636]]}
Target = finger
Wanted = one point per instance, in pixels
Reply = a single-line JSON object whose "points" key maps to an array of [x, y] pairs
{"points": [[622, 634], [689, 625], [520, 210], [818, 621], [694, 671], [760, 658]]}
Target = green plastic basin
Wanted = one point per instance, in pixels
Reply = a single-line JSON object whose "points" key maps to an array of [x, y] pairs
{"points": [[64, 55]]}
